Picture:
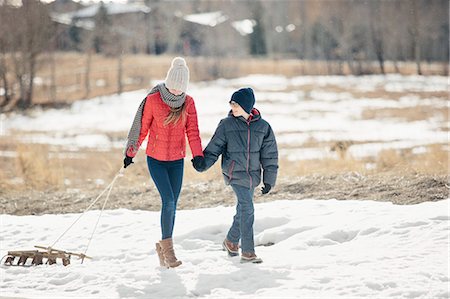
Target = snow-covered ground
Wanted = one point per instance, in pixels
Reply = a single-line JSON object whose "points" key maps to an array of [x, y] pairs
{"points": [[321, 249], [297, 116], [318, 249]]}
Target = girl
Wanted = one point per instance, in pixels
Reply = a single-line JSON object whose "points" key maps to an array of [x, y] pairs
{"points": [[246, 143], [166, 116]]}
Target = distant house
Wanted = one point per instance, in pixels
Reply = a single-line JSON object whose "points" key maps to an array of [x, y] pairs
{"points": [[110, 22], [215, 34], [63, 6]]}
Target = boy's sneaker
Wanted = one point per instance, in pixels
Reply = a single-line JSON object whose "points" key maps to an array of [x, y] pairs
{"points": [[248, 257], [233, 249]]}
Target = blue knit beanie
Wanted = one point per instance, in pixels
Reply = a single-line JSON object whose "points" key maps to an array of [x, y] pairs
{"points": [[245, 98]]}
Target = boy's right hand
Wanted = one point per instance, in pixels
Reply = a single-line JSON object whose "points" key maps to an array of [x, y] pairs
{"points": [[266, 188], [199, 163]]}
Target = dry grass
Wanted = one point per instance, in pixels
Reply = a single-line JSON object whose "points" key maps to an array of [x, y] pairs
{"points": [[408, 113], [396, 95], [5, 185], [138, 70], [295, 67], [37, 169], [434, 161], [71, 76], [40, 167]]}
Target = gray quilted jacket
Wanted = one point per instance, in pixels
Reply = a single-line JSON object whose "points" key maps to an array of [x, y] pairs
{"points": [[247, 147]]}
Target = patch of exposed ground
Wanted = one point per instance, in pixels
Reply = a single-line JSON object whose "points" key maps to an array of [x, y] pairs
{"points": [[411, 189]]}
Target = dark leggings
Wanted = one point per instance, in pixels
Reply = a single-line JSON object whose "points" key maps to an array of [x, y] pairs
{"points": [[168, 177]]}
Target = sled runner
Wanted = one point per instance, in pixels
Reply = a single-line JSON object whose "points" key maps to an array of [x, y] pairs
{"points": [[37, 257]]}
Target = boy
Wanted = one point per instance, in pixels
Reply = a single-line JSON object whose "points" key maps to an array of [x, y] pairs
{"points": [[246, 143]]}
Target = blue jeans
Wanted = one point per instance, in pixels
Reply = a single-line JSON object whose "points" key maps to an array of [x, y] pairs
{"points": [[242, 227], [168, 177]]}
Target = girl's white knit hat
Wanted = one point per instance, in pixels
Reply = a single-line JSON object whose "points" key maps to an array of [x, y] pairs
{"points": [[178, 75]]}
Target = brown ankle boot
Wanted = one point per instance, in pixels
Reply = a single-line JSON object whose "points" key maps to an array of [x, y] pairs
{"points": [[169, 255], [162, 263], [250, 257], [231, 248]]}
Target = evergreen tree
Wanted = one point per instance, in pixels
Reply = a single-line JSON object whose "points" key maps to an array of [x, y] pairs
{"points": [[258, 38], [102, 29]]}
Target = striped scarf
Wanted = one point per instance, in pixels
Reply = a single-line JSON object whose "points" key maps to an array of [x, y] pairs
{"points": [[173, 101]]}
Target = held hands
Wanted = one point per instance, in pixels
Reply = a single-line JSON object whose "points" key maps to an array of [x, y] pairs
{"points": [[266, 188], [199, 163], [127, 161]]}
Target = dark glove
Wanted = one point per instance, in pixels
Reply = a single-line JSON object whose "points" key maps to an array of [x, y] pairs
{"points": [[127, 161], [266, 188], [199, 163]]}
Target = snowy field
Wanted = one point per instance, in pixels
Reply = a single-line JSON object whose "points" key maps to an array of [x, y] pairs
{"points": [[321, 249], [300, 110], [311, 248]]}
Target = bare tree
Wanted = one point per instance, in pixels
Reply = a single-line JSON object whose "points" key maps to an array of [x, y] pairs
{"points": [[376, 31], [26, 33], [5, 84], [415, 33], [87, 72], [8, 43], [36, 37]]}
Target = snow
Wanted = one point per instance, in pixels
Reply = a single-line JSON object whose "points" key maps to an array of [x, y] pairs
{"points": [[83, 116], [311, 248], [244, 27], [390, 82], [321, 249], [111, 8], [297, 117], [211, 19], [290, 27]]}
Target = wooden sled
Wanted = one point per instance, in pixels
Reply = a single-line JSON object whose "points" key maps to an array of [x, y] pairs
{"points": [[50, 256]]}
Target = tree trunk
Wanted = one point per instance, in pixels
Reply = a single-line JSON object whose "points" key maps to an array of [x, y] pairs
{"points": [[6, 96], [380, 58], [395, 62], [416, 37], [19, 76], [52, 77], [29, 82], [376, 32], [150, 36], [119, 73], [417, 56], [87, 74], [350, 63]]}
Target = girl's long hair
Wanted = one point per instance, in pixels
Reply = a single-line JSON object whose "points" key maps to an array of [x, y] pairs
{"points": [[175, 115]]}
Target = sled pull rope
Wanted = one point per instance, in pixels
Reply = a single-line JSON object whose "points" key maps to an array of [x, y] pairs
{"points": [[101, 212], [109, 188]]}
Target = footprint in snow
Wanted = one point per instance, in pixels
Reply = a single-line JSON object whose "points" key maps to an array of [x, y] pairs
{"points": [[411, 224], [441, 218], [341, 236]]}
